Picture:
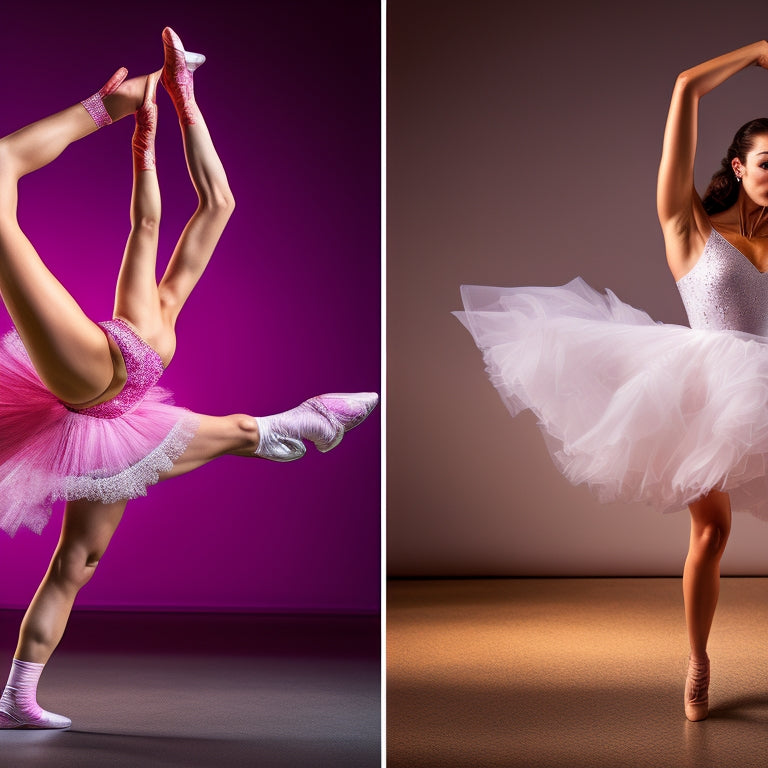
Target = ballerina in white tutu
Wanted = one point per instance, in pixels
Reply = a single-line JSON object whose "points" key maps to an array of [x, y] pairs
{"points": [[81, 417], [642, 411]]}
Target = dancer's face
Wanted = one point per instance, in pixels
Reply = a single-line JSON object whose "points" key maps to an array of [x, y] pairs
{"points": [[754, 171]]}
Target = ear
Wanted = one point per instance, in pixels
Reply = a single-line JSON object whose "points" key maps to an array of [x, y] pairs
{"points": [[738, 168]]}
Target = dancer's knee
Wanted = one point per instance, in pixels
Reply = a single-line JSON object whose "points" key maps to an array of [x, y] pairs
{"points": [[709, 540], [9, 162], [9, 178], [218, 201], [147, 224], [73, 569]]}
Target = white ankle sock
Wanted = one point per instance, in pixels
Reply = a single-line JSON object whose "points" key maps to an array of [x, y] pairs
{"points": [[18, 704]]}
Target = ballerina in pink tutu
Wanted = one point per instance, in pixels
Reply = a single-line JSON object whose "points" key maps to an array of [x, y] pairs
{"points": [[81, 416], [665, 414]]}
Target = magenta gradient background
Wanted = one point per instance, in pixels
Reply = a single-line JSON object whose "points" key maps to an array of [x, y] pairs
{"points": [[289, 307]]}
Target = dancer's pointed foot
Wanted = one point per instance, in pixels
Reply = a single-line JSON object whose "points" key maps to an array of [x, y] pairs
{"points": [[697, 689], [94, 105], [146, 126], [323, 420], [177, 75]]}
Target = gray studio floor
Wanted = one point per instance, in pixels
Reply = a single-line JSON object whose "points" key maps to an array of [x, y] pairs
{"points": [[224, 690]]}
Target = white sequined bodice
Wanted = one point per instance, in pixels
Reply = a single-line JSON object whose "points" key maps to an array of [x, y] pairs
{"points": [[725, 291]]}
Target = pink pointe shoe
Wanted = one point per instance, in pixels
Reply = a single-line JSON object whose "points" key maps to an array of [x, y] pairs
{"points": [[143, 142], [177, 75], [94, 105], [697, 689], [323, 420]]}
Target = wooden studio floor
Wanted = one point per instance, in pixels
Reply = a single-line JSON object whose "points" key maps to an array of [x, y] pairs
{"points": [[589, 673]]}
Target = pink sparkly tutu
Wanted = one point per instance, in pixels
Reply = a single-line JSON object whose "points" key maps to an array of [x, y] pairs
{"points": [[106, 453], [637, 410]]}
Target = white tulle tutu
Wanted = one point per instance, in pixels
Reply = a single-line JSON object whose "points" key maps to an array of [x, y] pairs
{"points": [[637, 410]]}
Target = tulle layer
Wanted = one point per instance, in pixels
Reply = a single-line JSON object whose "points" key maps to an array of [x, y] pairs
{"points": [[637, 410], [48, 452]]}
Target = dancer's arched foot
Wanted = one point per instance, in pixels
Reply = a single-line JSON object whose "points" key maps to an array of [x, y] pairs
{"points": [[697, 689], [323, 420], [177, 75], [94, 105], [146, 126]]}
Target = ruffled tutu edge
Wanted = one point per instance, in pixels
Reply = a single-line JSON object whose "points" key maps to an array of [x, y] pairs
{"points": [[133, 481]]}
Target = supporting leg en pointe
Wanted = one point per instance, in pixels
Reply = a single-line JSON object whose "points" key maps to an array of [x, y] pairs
{"points": [[710, 527]]}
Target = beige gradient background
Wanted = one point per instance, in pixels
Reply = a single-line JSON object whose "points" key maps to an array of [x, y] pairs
{"points": [[522, 148]]}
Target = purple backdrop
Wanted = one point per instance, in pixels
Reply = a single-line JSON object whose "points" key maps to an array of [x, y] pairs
{"points": [[289, 307]]}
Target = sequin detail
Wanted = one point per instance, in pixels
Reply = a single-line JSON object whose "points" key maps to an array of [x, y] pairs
{"points": [[96, 109], [143, 142], [143, 365], [725, 291], [94, 105]]}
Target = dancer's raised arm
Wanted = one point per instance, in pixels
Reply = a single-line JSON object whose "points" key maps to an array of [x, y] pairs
{"points": [[683, 220]]}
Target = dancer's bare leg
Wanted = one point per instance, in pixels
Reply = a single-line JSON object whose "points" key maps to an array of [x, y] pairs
{"points": [[88, 528], [322, 420], [201, 235], [86, 531], [153, 309], [710, 527], [137, 299], [71, 354]]}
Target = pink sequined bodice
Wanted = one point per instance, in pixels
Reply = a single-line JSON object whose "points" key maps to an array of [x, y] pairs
{"points": [[143, 365], [725, 291]]}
